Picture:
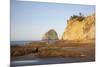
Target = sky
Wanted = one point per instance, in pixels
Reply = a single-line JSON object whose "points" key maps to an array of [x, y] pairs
{"points": [[30, 20]]}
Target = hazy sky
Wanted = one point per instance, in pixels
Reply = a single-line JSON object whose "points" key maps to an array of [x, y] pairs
{"points": [[30, 20]]}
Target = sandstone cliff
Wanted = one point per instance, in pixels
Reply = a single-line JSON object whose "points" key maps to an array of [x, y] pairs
{"points": [[80, 28]]}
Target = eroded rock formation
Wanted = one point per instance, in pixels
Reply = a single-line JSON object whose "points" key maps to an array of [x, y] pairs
{"points": [[50, 35], [80, 28]]}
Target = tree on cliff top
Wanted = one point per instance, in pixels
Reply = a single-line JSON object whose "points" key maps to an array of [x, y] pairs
{"points": [[79, 17]]}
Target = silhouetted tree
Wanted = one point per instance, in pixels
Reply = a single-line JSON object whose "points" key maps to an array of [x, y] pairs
{"points": [[79, 17]]}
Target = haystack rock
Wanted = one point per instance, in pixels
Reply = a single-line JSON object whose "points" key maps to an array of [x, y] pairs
{"points": [[50, 35], [80, 28]]}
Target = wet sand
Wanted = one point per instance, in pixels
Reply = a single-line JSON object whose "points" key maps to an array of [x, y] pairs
{"points": [[29, 60]]}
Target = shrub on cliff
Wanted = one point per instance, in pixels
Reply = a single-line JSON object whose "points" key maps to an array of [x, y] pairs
{"points": [[79, 17]]}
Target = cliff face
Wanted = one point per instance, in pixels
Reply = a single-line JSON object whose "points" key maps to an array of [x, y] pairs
{"points": [[77, 29]]}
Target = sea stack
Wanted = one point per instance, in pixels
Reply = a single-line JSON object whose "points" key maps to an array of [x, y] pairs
{"points": [[51, 35], [80, 28]]}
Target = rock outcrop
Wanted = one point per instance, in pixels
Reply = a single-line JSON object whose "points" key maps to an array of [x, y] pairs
{"points": [[80, 28], [50, 35]]}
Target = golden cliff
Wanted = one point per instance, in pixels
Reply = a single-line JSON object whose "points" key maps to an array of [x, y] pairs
{"points": [[80, 28]]}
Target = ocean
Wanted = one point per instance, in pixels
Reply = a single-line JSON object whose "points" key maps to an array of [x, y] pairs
{"points": [[19, 42]]}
